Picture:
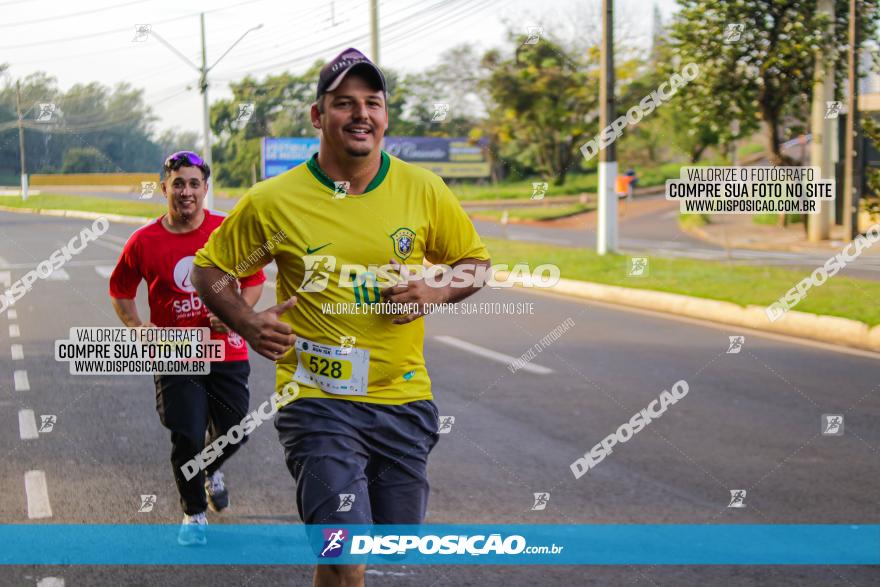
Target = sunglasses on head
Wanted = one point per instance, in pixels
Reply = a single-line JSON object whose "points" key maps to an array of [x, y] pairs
{"points": [[184, 157]]}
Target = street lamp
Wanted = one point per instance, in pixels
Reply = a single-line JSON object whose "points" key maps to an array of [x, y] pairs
{"points": [[203, 88]]}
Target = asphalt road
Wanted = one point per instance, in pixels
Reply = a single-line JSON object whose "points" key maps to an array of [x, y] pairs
{"points": [[750, 421]]}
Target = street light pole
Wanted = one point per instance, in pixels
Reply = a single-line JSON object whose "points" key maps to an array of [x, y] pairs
{"points": [[823, 129], [203, 88], [850, 185], [24, 177], [206, 116], [606, 232], [374, 30]]}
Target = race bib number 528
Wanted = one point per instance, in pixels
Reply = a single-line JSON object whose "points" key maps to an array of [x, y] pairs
{"points": [[332, 369]]}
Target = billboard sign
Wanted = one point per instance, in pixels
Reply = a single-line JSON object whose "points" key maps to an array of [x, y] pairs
{"points": [[447, 157]]}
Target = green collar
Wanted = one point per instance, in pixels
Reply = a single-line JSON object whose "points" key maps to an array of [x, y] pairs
{"points": [[319, 174]]}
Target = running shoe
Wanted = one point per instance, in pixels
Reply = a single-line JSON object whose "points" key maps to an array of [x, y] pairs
{"points": [[192, 530], [215, 489]]}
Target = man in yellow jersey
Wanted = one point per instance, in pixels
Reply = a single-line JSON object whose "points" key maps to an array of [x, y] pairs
{"points": [[358, 435]]}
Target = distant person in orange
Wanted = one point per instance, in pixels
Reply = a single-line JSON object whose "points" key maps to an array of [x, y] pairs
{"points": [[625, 184], [635, 178]]}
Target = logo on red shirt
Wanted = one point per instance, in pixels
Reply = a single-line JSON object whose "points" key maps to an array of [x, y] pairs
{"points": [[192, 307], [182, 273]]}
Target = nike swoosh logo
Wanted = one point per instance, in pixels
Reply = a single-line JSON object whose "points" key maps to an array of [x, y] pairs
{"points": [[316, 249]]}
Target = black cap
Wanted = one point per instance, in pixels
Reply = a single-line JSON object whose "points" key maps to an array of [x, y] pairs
{"points": [[334, 72]]}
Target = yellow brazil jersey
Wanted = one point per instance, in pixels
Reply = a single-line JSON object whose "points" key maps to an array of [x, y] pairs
{"points": [[324, 243]]}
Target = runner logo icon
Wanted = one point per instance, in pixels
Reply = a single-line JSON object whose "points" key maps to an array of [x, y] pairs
{"points": [[333, 542], [346, 500], [317, 272]]}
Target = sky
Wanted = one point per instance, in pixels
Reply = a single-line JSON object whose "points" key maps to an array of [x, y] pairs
{"points": [[96, 41]]}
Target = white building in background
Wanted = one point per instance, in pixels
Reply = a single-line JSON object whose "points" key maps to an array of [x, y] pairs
{"points": [[870, 68], [869, 85]]}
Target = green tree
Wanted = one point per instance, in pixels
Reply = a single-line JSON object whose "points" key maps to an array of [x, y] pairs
{"points": [[116, 123], [543, 106], [171, 141], [756, 60], [455, 82], [280, 108], [42, 155], [85, 160], [871, 128]]}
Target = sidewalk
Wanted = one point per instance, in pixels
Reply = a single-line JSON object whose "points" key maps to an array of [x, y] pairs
{"points": [[739, 231], [583, 198]]}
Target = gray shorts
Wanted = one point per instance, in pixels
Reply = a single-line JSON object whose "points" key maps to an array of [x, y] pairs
{"points": [[356, 462]]}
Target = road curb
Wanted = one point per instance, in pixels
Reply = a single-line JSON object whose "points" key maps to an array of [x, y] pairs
{"points": [[830, 329], [137, 220]]}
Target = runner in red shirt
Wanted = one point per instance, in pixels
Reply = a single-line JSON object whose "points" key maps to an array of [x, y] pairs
{"points": [[162, 253]]}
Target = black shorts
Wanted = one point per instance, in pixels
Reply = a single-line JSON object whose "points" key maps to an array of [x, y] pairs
{"points": [[190, 404], [356, 462]]}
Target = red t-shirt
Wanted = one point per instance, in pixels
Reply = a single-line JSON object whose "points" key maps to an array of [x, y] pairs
{"points": [[165, 260]]}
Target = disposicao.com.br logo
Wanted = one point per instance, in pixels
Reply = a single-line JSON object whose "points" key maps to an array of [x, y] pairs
{"points": [[449, 544]]}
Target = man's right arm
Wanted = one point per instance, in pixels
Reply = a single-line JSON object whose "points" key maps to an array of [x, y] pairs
{"points": [[124, 282], [126, 309], [264, 331]]}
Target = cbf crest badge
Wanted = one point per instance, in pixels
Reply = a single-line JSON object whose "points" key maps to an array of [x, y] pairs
{"points": [[404, 240]]}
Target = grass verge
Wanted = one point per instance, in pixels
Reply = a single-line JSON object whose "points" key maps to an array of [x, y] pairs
{"points": [[125, 207], [534, 212], [86, 204], [693, 220], [745, 285]]}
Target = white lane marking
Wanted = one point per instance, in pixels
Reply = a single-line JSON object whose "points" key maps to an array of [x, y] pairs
{"points": [[114, 238], [12, 314], [110, 246], [644, 243], [27, 425], [37, 495], [72, 263], [695, 254], [59, 275], [14, 332], [17, 352], [490, 354], [50, 582], [539, 239], [21, 380], [104, 271], [5, 276]]}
